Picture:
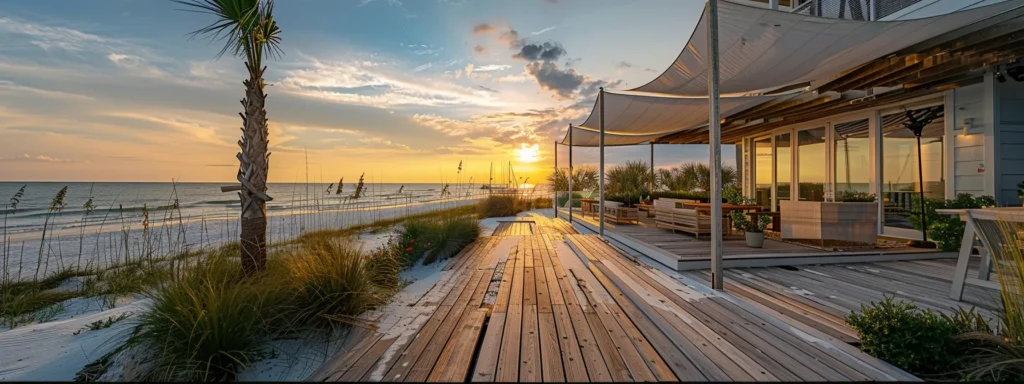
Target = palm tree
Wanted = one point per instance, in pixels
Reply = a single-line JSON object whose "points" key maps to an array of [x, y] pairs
{"points": [[249, 32], [700, 175], [629, 181]]}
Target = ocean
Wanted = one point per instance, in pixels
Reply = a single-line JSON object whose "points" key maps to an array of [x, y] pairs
{"points": [[197, 200], [137, 220]]}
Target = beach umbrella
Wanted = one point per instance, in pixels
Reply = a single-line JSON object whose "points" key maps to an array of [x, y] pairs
{"points": [[916, 124]]}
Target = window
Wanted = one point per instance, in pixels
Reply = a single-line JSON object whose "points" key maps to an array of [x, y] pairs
{"points": [[763, 172], [811, 168], [900, 178], [783, 165], [852, 157]]}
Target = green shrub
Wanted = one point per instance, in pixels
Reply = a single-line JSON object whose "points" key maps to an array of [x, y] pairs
{"points": [[855, 197], [563, 197], [741, 222], [434, 239], [628, 183], [918, 341], [584, 178], [946, 230], [540, 203], [698, 196]]}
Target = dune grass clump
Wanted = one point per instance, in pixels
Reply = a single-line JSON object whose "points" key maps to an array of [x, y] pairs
{"points": [[501, 206], [210, 322], [433, 239], [332, 279]]}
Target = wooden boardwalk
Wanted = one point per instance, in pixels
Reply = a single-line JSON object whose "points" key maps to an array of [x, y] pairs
{"points": [[683, 251], [538, 302]]}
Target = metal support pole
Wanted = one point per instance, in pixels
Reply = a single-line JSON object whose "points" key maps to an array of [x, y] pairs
{"points": [[554, 193], [774, 4], [714, 131], [570, 173], [600, 187], [652, 168]]}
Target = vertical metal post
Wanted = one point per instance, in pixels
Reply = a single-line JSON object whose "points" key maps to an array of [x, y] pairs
{"points": [[774, 4], [872, 15], [554, 192], [600, 187], [714, 131], [570, 173], [652, 168]]}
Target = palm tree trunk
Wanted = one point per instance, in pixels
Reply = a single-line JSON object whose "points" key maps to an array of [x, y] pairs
{"points": [[252, 174]]}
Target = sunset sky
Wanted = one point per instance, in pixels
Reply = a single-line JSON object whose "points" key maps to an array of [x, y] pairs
{"points": [[114, 90]]}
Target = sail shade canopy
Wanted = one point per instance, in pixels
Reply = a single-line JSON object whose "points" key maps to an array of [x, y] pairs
{"points": [[635, 118], [762, 49]]}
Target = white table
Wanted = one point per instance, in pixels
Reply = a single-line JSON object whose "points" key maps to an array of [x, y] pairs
{"points": [[967, 243]]}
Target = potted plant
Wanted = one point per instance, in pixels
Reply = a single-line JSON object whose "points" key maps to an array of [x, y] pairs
{"points": [[754, 230], [1020, 192]]}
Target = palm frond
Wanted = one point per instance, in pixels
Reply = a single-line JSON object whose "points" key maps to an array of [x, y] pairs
{"points": [[246, 27]]}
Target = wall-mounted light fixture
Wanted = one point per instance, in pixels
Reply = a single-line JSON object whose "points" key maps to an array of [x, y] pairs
{"points": [[965, 129]]}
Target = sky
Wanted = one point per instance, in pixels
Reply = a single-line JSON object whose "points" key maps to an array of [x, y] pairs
{"points": [[115, 90]]}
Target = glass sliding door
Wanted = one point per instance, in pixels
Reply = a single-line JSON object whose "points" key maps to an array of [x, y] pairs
{"points": [[900, 178], [812, 163], [763, 172], [783, 166], [852, 157]]}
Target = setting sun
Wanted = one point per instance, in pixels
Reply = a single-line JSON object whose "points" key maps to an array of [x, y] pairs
{"points": [[527, 154]]}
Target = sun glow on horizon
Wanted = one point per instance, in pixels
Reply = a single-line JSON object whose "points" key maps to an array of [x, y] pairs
{"points": [[528, 154]]}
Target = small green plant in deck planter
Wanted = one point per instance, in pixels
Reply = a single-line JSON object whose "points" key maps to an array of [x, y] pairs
{"points": [[1020, 192], [855, 197], [754, 230]]}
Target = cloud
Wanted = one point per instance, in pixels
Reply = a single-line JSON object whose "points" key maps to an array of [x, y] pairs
{"points": [[623, 64], [570, 62], [491, 90], [353, 83], [503, 127], [479, 49], [548, 29], [52, 38], [520, 78], [484, 28], [13, 90], [547, 51], [492, 67], [511, 38], [26, 158], [562, 82], [422, 67]]}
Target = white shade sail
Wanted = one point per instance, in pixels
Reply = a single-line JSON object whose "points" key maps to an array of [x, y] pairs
{"points": [[637, 118], [762, 49], [584, 137]]}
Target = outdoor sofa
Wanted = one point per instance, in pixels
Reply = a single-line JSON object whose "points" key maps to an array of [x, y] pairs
{"points": [[670, 214]]}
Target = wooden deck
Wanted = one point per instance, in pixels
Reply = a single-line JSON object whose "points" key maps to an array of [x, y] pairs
{"points": [[820, 296], [538, 302], [685, 252]]}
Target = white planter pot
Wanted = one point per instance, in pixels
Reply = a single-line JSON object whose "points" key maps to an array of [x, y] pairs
{"points": [[755, 239]]}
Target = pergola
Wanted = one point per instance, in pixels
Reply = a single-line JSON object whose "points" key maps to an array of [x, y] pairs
{"points": [[752, 69]]}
